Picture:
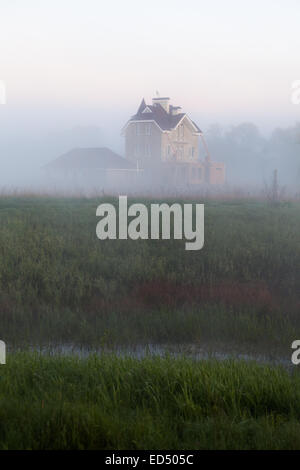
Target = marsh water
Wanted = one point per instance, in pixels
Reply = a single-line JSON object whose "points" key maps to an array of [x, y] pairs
{"points": [[141, 351]]}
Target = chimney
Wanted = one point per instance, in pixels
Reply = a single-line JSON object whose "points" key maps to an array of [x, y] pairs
{"points": [[175, 110], [164, 102]]}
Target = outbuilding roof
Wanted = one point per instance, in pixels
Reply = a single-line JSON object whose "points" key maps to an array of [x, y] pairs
{"points": [[89, 158]]}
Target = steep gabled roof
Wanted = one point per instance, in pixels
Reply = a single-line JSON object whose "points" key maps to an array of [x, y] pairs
{"points": [[165, 121], [142, 106]]}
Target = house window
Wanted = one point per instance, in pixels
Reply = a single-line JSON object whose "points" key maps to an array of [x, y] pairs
{"points": [[191, 152], [180, 152], [148, 128], [199, 173], [180, 132], [136, 150], [143, 128], [147, 150]]}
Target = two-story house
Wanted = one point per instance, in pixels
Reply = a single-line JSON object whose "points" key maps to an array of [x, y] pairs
{"points": [[162, 139]]}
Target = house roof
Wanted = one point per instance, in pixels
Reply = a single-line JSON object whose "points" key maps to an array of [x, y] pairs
{"points": [[166, 121], [89, 158]]}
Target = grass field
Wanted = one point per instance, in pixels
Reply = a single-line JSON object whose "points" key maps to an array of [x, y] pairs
{"points": [[156, 403], [60, 285]]}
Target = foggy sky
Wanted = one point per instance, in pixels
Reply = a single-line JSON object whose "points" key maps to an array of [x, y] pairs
{"points": [[70, 63]]}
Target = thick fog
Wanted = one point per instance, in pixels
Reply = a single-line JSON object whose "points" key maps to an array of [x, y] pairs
{"points": [[250, 155]]}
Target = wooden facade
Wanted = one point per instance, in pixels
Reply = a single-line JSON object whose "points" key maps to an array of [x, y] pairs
{"points": [[161, 139]]}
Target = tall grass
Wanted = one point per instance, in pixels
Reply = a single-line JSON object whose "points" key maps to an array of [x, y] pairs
{"points": [[53, 402]]}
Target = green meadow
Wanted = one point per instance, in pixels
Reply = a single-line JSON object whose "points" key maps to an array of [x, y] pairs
{"points": [[60, 286]]}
